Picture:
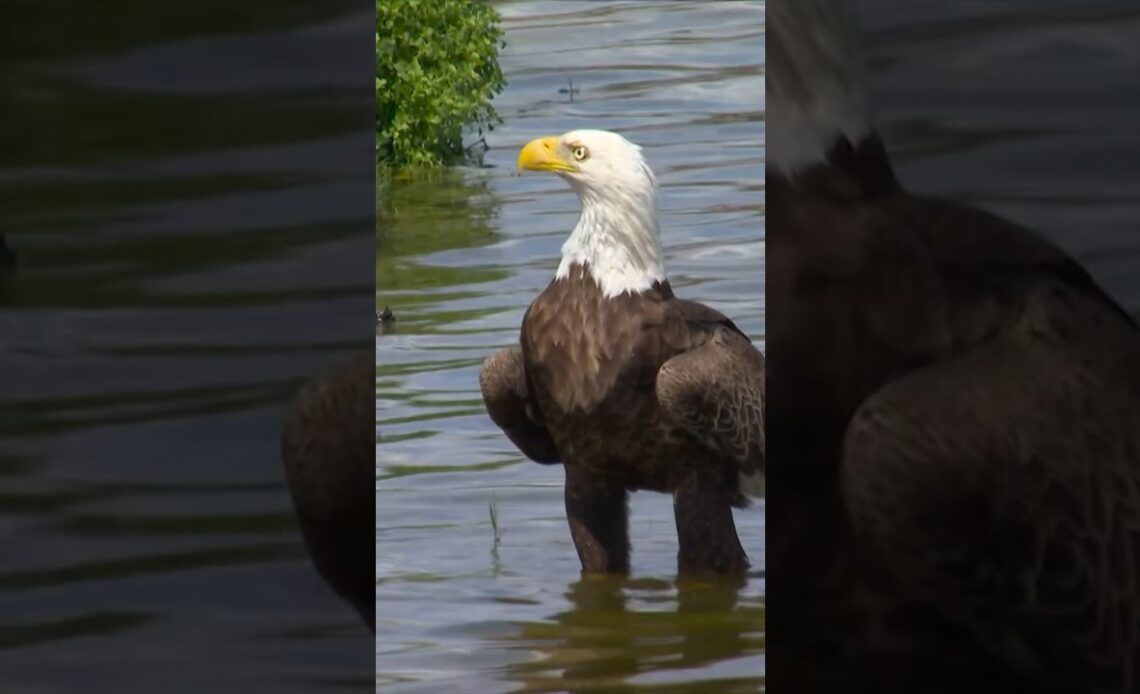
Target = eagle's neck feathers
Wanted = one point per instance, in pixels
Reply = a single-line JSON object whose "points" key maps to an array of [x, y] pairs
{"points": [[617, 240]]}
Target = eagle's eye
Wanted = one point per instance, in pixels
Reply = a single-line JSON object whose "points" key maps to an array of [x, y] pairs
{"points": [[581, 153]]}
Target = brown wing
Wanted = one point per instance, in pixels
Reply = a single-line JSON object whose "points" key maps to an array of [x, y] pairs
{"points": [[1003, 488], [503, 382], [328, 447], [980, 463], [715, 390]]}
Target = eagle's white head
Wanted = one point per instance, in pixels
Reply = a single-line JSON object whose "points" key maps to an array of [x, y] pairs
{"points": [[617, 236]]}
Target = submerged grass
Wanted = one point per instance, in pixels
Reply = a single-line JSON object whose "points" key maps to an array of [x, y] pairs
{"points": [[493, 510]]}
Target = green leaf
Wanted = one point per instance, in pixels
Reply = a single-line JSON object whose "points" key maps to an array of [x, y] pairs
{"points": [[437, 70]]}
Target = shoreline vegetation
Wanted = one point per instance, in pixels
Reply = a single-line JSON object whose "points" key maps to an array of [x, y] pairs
{"points": [[437, 70]]}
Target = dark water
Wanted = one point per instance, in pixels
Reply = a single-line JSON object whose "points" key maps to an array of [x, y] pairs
{"points": [[1028, 109], [459, 259], [193, 240]]}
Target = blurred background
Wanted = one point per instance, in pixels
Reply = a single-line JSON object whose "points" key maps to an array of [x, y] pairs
{"points": [[189, 194], [1027, 109]]}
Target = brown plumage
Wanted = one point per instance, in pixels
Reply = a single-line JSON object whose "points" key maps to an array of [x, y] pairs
{"points": [[637, 392], [624, 384], [953, 447], [328, 448]]}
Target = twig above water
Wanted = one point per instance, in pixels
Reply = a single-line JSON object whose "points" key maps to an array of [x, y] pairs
{"points": [[569, 89]]}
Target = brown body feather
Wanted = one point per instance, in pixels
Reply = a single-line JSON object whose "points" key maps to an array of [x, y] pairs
{"points": [[638, 391], [328, 447], [953, 448]]}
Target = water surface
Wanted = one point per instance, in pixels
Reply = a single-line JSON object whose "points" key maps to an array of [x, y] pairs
{"points": [[1028, 109], [167, 189]]}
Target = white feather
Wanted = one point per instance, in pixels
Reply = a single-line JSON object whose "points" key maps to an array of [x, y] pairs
{"points": [[815, 84], [617, 237]]}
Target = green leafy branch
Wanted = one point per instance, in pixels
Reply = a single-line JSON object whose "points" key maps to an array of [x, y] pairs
{"points": [[437, 69]]}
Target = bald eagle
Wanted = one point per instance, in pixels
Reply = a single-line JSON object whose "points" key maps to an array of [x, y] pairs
{"points": [[953, 420], [625, 385]]}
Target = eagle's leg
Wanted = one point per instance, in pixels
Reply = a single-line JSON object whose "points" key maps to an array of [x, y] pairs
{"points": [[598, 512], [706, 532]]}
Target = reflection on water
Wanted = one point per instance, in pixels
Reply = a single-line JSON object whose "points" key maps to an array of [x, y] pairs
{"points": [[642, 632], [465, 605], [446, 212], [170, 295]]}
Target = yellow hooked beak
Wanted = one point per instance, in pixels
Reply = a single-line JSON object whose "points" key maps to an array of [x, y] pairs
{"points": [[542, 155]]}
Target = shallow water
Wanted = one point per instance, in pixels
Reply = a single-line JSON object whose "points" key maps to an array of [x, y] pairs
{"points": [[166, 256], [459, 259]]}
